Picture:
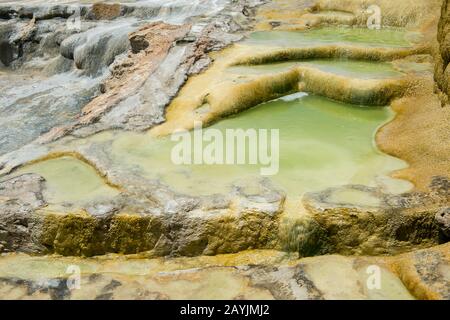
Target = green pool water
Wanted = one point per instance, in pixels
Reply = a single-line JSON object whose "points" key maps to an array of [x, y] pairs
{"points": [[386, 37], [349, 68], [323, 143], [69, 180]]}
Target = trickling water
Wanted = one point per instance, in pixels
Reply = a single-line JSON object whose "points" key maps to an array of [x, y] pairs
{"points": [[51, 84], [32, 104], [94, 50]]}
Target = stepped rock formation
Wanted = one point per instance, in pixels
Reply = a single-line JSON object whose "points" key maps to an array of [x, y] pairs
{"points": [[90, 101]]}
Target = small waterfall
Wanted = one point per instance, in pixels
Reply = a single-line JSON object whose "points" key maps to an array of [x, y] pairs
{"points": [[303, 236]]}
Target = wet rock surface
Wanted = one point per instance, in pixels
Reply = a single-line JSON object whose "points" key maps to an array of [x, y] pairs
{"points": [[420, 275], [76, 55], [134, 67], [151, 217], [165, 223], [19, 198], [162, 57], [26, 114], [147, 215]]}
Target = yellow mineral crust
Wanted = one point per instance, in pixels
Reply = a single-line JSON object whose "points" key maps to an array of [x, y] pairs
{"points": [[420, 135], [298, 15], [215, 94]]}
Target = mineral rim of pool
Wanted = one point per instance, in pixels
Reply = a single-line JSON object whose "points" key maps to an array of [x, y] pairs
{"points": [[350, 68], [386, 37]]}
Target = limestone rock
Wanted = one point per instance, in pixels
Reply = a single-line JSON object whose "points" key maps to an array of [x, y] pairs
{"points": [[149, 219], [19, 198], [25, 189], [42, 11], [106, 11], [426, 273], [8, 51], [250, 275], [161, 58]]}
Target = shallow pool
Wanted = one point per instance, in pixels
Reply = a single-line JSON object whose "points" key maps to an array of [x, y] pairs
{"points": [[322, 143], [386, 37], [349, 68], [69, 180]]}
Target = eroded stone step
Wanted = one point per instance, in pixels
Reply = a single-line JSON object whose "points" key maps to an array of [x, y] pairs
{"points": [[157, 220], [168, 224]]}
